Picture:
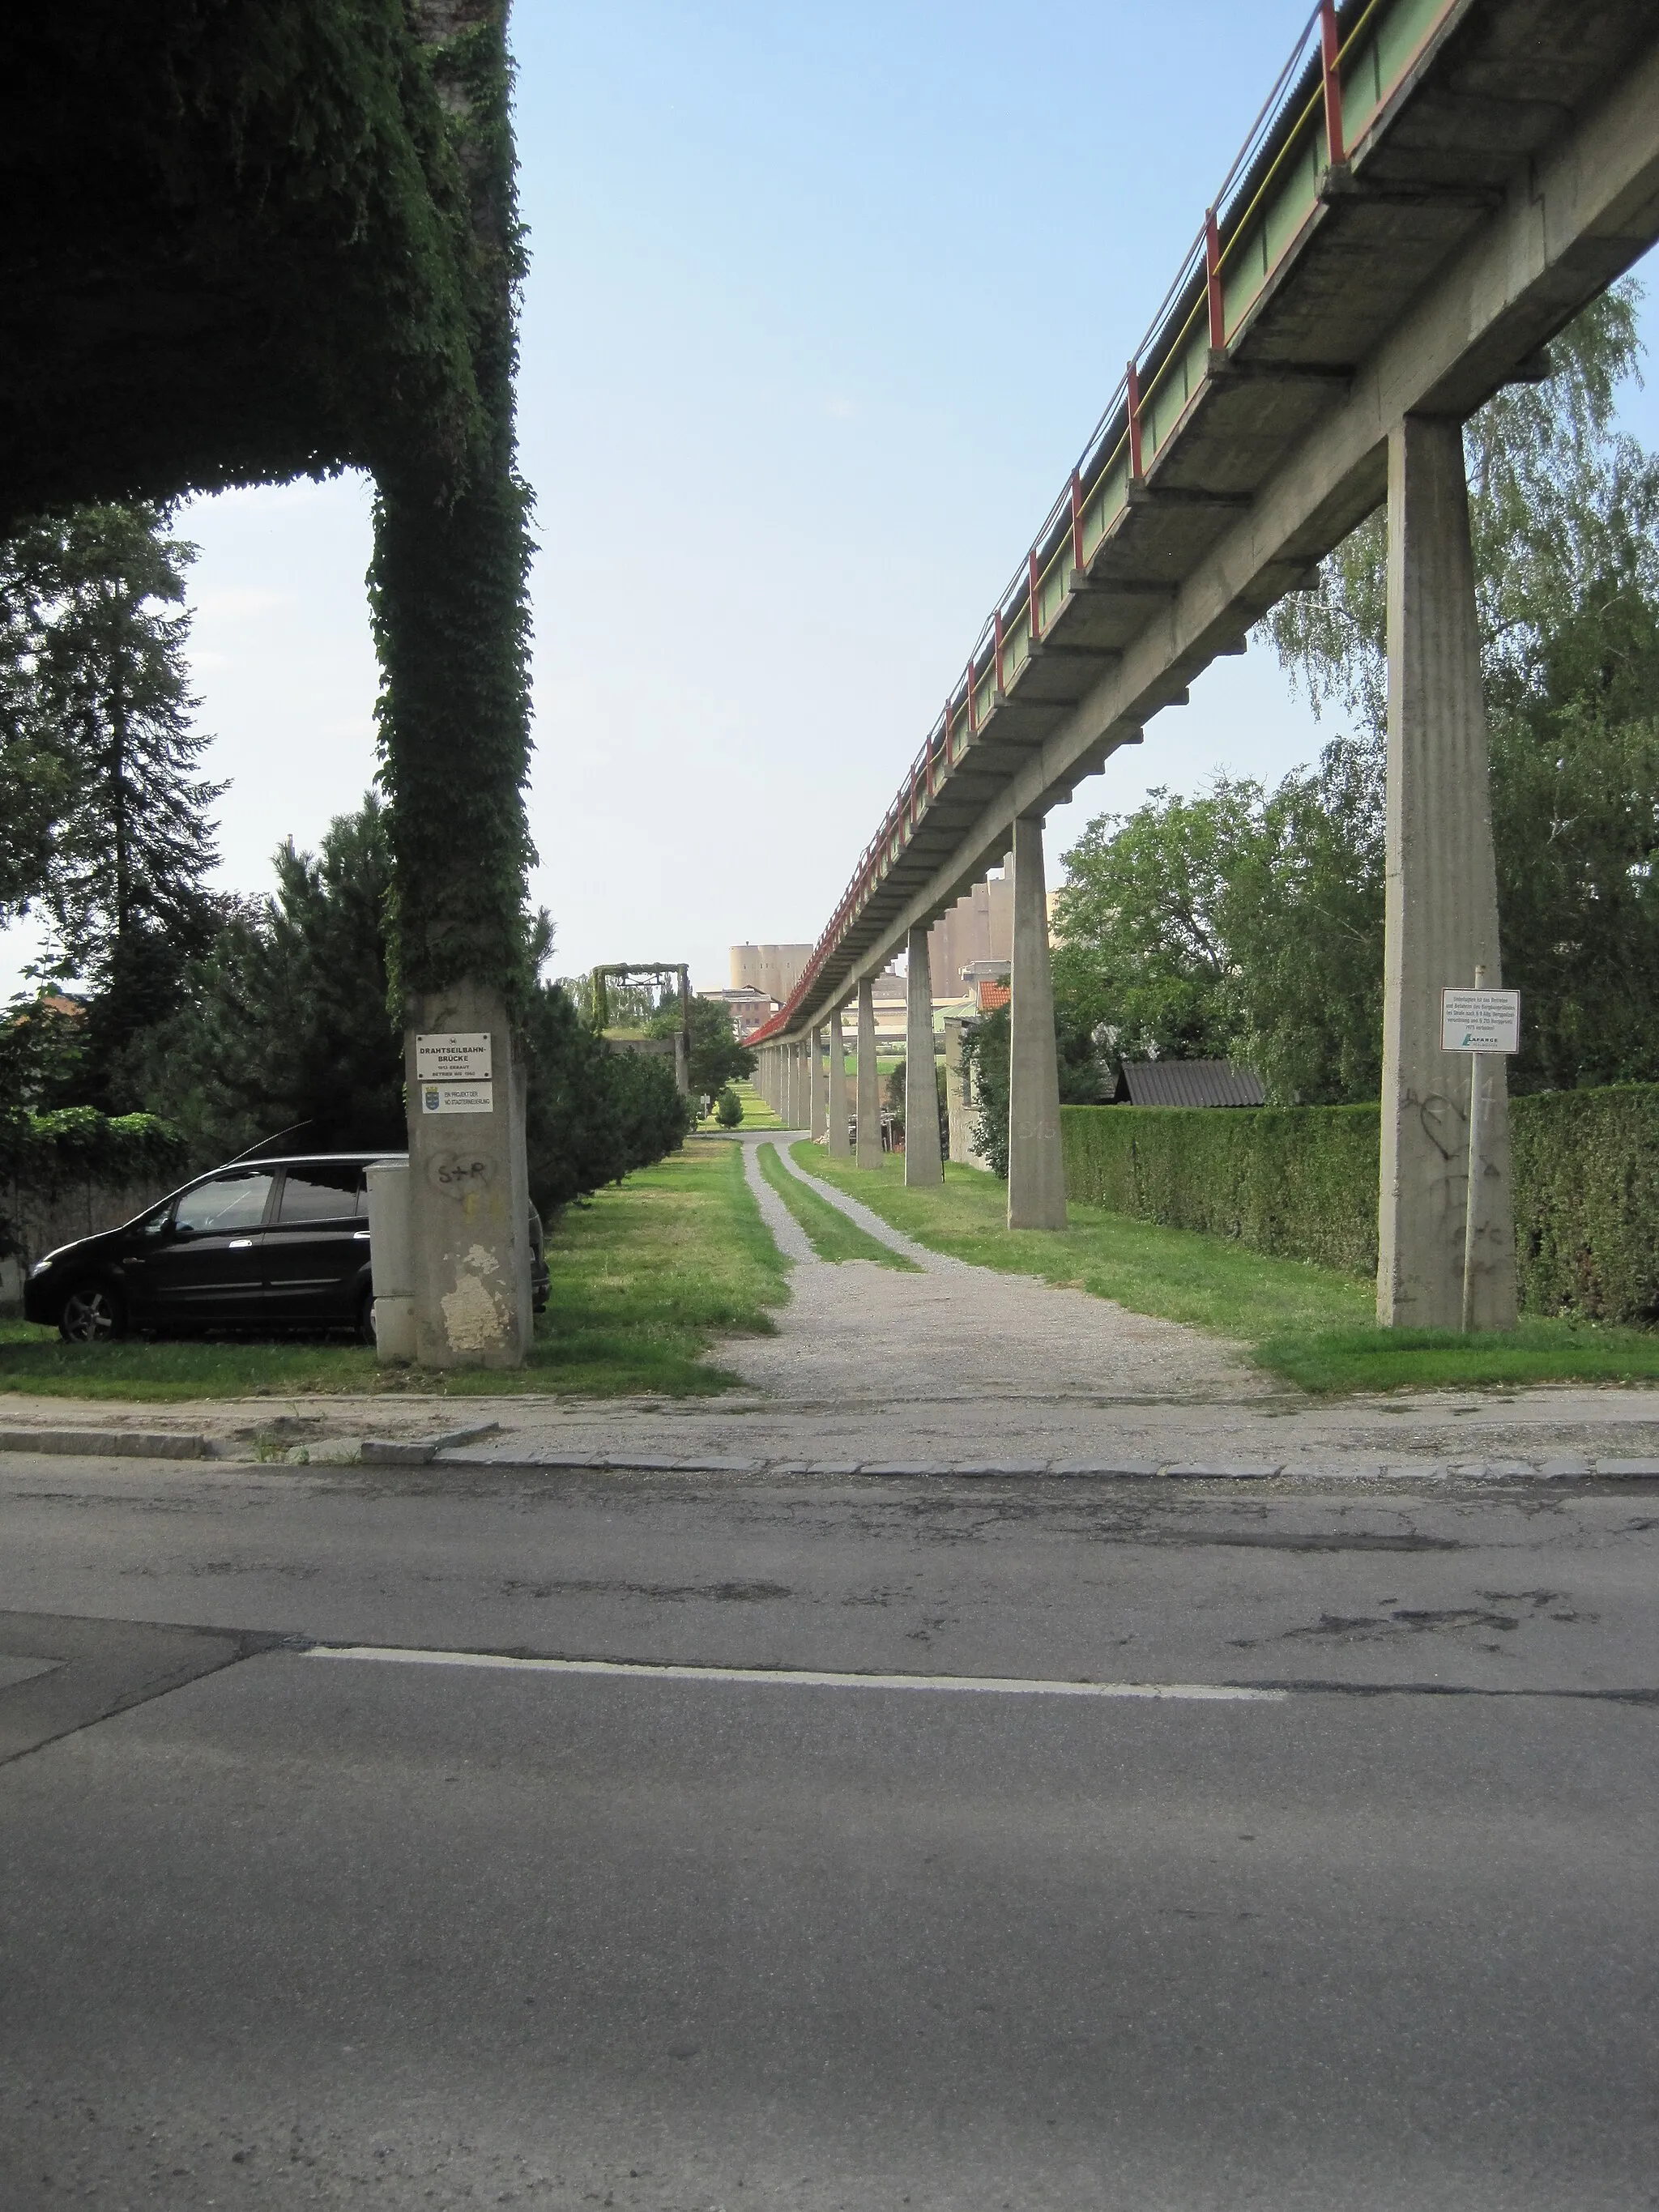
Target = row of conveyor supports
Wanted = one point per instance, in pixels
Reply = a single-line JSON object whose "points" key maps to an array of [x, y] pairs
{"points": [[803, 1082], [1441, 1212]]}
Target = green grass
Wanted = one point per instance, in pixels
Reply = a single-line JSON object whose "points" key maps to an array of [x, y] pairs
{"points": [[757, 1114], [1173, 1272], [829, 1231], [1312, 1326], [645, 1276], [1538, 1351]]}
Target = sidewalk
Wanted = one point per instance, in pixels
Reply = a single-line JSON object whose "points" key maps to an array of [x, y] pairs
{"points": [[954, 1367]]}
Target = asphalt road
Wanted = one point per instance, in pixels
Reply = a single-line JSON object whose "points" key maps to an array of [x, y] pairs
{"points": [[1361, 1912]]}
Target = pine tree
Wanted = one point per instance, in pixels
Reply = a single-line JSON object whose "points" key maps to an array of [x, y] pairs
{"points": [[99, 590]]}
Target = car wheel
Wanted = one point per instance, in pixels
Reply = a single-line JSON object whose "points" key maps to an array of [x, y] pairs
{"points": [[366, 1318], [92, 1316]]}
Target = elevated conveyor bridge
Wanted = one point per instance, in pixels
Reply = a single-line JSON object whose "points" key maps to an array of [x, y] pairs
{"points": [[1432, 189]]}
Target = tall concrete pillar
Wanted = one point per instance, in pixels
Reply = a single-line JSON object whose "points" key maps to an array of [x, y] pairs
{"points": [[840, 1148], [957, 1102], [468, 1191], [921, 1160], [1441, 908], [1037, 1171], [869, 1144], [819, 1101], [795, 1061]]}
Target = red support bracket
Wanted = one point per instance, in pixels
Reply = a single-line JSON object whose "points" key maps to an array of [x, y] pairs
{"points": [[1212, 283], [1131, 383], [1033, 592], [1330, 46], [1077, 520]]}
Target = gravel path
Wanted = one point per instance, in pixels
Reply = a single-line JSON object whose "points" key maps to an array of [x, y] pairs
{"points": [[870, 1337]]}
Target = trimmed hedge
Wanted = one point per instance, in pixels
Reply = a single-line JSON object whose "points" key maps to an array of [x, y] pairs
{"points": [[1298, 1180], [79, 1141], [42, 1155], [1301, 1182], [1587, 1201]]}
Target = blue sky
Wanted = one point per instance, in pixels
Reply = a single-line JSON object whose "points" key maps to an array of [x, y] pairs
{"points": [[822, 302]]}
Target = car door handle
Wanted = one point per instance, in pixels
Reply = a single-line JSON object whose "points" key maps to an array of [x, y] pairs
{"points": [[360, 1236], [240, 1244]]}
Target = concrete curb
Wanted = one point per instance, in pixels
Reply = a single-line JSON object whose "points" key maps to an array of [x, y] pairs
{"points": [[1105, 1470], [421, 1451], [108, 1443]]}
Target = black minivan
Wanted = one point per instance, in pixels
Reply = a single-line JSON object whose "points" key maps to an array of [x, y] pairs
{"points": [[264, 1245]]}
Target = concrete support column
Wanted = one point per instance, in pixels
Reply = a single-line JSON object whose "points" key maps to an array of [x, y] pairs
{"points": [[1037, 1171], [795, 1085], [468, 1190], [1441, 908], [840, 1147], [869, 1143], [818, 1100], [957, 1103], [921, 1160]]}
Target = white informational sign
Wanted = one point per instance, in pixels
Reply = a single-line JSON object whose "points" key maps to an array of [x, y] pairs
{"points": [[1480, 1021], [452, 1056], [458, 1098]]}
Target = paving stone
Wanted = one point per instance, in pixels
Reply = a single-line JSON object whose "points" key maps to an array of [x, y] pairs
{"points": [[1628, 1470], [901, 1466], [420, 1451], [1123, 1470], [1565, 1470]]}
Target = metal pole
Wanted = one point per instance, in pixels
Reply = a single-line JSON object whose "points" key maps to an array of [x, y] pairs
{"points": [[1470, 1204]]}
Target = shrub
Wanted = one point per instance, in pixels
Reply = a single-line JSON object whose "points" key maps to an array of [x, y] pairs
{"points": [[728, 1109]]}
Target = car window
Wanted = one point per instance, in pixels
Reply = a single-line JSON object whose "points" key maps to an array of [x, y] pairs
{"points": [[229, 1201], [328, 1191]]}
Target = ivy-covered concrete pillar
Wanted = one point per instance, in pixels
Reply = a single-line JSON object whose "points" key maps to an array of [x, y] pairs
{"points": [[449, 598]]}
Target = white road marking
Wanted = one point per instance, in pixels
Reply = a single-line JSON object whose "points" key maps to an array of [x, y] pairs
{"points": [[805, 1679]]}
